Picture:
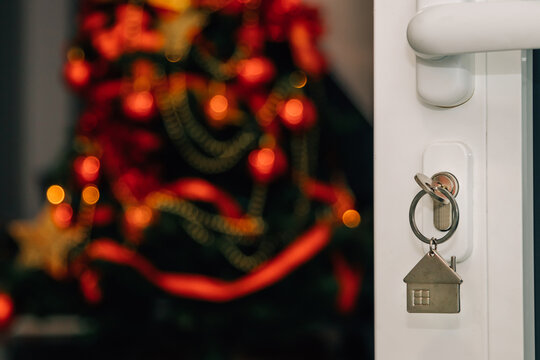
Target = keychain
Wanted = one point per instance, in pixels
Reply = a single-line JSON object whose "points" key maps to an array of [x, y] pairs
{"points": [[433, 286]]}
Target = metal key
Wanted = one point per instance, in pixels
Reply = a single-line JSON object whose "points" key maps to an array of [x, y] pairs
{"points": [[442, 214]]}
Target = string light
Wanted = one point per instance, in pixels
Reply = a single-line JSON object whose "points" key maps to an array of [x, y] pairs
{"points": [[90, 194], [193, 214], [218, 69], [75, 53], [173, 57], [251, 69], [184, 129], [351, 218], [267, 141], [298, 114], [218, 107], [293, 111], [298, 79], [266, 114], [77, 71], [55, 194]]}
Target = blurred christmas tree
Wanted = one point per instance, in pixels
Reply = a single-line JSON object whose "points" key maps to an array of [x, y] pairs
{"points": [[201, 206]]}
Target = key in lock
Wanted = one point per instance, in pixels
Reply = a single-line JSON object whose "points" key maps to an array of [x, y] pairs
{"points": [[442, 211]]}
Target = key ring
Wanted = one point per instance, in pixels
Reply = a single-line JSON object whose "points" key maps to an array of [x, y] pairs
{"points": [[432, 246], [455, 216]]}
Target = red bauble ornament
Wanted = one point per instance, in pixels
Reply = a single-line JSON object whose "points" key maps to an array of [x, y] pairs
{"points": [[89, 283], [77, 73], [136, 219], [62, 215], [282, 7], [139, 182], [103, 215], [298, 114], [114, 41], [6, 310], [255, 71], [93, 21], [87, 169], [145, 141], [267, 164], [233, 7], [139, 105]]}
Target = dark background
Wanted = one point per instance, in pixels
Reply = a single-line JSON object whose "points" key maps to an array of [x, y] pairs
{"points": [[36, 109], [10, 88]]}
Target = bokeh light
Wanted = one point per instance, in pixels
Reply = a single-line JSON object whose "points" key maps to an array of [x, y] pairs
{"points": [[139, 216], [55, 194], [298, 79], [263, 160], [218, 107], [87, 167], [75, 53], [139, 105], [62, 215], [77, 73], [351, 218], [255, 71], [293, 111], [90, 194], [6, 308]]}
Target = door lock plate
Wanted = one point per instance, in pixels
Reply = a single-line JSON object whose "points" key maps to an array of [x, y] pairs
{"points": [[449, 161]]}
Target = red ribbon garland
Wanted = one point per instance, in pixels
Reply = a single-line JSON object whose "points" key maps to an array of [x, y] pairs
{"points": [[349, 281], [202, 190], [201, 287], [208, 288]]}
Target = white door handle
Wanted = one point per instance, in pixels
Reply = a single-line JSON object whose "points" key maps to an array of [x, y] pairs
{"points": [[460, 28], [439, 34]]}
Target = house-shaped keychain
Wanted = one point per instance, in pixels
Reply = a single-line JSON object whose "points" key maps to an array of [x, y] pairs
{"points": [[433, 286]]}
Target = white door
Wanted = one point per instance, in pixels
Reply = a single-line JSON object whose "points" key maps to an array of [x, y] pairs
{"points": [[486, 141]]}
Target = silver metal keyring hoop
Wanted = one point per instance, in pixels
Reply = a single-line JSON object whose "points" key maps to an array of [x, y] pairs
{"points": [[455, 217]]}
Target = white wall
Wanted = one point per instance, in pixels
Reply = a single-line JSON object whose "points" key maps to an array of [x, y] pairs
{"points": [[349, 46], [46, 104]]}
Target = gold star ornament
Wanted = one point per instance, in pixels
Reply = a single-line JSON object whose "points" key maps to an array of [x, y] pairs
{"points": [[45, 245]]}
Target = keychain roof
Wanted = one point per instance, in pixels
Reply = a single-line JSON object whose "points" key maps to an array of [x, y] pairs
{"points": [[432, 268]]}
